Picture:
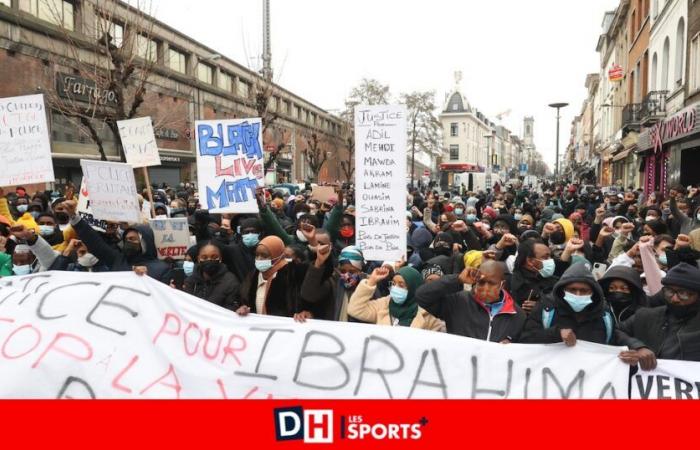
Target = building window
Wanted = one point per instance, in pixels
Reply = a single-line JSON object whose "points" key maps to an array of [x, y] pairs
{"points": [[288, 108], [272, 105], [454, 152], [297, 112], [664, 64], [205, 73], [454, 129], [104, 26], [57, 12], [455, 107], [177, 61], [680, 44], [243, 89], [695, 63], [146, 48], [225, 81]]}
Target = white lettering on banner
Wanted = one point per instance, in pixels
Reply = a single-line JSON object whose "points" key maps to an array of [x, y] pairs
{"points": [[380, 161], [25, 150], [139, 142], [117, 335], [671, 380], [172, 237], [230, 164], [112, 188]]}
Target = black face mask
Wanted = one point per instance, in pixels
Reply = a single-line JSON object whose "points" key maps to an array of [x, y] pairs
{"points": [[210, 267], [684, 311], [619, 298], [132, 249], [557, 238], [442, 249], [62, 218]]}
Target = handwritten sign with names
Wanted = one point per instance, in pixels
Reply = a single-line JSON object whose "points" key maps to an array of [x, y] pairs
{"points": [[25, 150], [139, 142], [380, 181], [172, 237], [112, 187], [230, 164]]}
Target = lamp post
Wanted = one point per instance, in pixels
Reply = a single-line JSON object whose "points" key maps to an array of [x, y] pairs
{"points": [[557, 106], [489, 159]]}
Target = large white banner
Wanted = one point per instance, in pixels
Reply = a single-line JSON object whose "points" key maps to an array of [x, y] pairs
{"points": [[380, 181], [675, 380], [112, 187], [139, 142], [230, 165], [25, 150], [117, 335]]}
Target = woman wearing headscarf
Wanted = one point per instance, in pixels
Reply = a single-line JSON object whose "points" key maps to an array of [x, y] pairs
{"points": [[273, 288], [399, 308]]}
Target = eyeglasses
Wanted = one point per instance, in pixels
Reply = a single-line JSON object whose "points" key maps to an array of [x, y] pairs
{"points": [[682, 294]]}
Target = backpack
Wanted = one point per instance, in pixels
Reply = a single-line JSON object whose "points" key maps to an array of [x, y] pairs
{"points": [[608, 320]]}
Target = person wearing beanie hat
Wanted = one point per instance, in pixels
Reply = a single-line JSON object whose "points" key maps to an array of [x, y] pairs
{"points": [[240, 257], [670, 331], [399, 308], [473, 259], [431, 273]]}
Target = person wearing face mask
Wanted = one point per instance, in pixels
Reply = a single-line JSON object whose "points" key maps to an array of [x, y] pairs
{"points": [[623, 292], [211, 280], [76, 258], [49, 230], [274, 288], [240, 257], [533, 274], [471, 217], [575, 310], [487, 312], [670, 331], [23, 261], [399, 308], [134, 248]]}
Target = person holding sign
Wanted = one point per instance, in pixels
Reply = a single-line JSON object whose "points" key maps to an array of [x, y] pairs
{"points": [[399, 308], [211, 280]]}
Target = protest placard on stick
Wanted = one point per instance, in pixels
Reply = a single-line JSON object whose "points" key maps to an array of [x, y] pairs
{"points": [[112, 188]]}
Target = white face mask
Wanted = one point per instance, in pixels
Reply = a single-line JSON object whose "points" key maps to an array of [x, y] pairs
{"points": [[301, 236], [88, 260]]}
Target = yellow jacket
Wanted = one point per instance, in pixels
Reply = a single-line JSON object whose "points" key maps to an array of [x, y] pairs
{"points": [[28, 221]]}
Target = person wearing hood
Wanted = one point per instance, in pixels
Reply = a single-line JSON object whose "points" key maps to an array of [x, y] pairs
{"points": [[274, 288], [419, 246], [576, 310], [240, 257], [399, 308], [134, 252], [450, 259], [533, 274], [623, 291], [161, 210], [487, 312], [211, 279], [671, 331]]}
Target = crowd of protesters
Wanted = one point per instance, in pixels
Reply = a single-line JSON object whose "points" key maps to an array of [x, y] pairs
{"points": [[544, 264]]}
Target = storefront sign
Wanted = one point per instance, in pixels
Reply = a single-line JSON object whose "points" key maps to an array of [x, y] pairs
{"points": [[84, 90], [617, 73], [675, 127]]}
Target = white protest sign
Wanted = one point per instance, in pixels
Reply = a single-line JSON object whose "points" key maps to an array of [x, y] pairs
{"points": [[670, 380], [117, 335], [139, 142], [380, 187], [84, 208], [230, 164], [112, 188], [172, 237], [25, 150]]}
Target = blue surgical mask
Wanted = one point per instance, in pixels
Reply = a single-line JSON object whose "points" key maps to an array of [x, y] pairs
{"points": [[188, 267], [471, 218], [22, 208], [577, 302], [251, 239], [663, 259], [576, 259], [459, 211], [46, 230], [263, 265], [518, 217], [398, 295], [22, 270], [548, 267], [35, 214]]}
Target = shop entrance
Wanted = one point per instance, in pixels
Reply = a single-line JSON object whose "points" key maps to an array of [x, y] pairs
{"points": [[690, 161]]}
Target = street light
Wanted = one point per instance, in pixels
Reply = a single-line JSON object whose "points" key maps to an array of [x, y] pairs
{"points": [[557, 106], [489, 158]]}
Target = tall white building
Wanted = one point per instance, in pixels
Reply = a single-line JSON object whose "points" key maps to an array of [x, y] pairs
{"points": [[667, 48]]}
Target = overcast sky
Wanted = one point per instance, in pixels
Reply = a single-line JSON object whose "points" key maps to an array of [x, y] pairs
{"points": [[514, 54]]}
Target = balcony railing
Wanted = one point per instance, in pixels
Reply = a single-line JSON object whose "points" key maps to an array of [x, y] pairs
{"points": [[632, 117], [653, 107]]}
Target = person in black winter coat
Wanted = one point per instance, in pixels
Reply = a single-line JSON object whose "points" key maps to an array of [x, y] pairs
{"points": [[211, 280], [668, 332], [623, 291], [575, 310], [488, 312], [240, 257], [533, 274]]}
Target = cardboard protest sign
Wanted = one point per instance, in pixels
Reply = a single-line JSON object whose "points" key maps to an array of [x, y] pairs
{"points": [[671, 380], [118, 335], [230, 164], [323, 193], [84, 208], [172, 237], [380, 181], [139, 142], [112, 188], [25, 150]]}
